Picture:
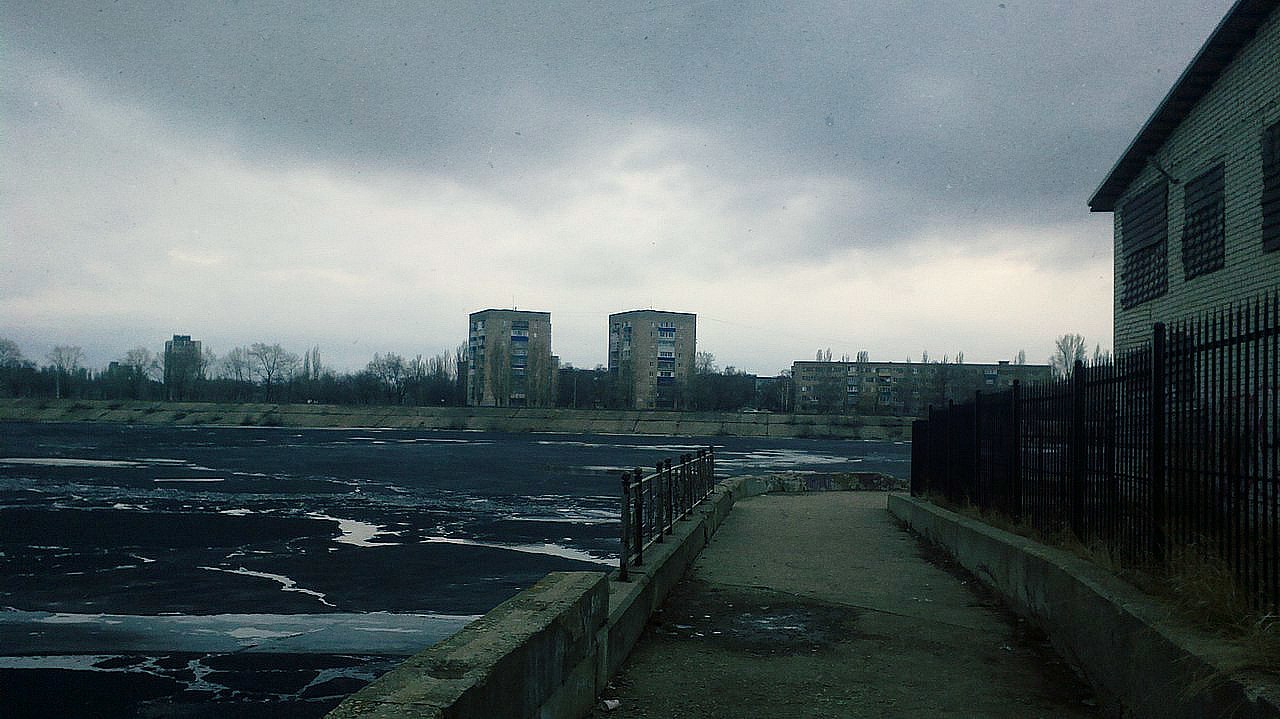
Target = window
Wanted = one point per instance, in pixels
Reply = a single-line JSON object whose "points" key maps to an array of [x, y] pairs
{"points": [[1271, 188], [1144, 232], [1202, 227]]}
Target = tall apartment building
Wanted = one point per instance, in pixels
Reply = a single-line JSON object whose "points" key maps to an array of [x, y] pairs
{"points": [[903, 387], [1196, 196], [509, 362], [651, 354], [182, 357]]}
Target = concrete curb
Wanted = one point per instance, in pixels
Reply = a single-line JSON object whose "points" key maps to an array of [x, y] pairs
{"points": [[1129, 647]]}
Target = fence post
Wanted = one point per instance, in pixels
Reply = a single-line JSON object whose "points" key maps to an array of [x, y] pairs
{"points": [[659, 509], [1015, 448], [691, 479], [1157, 442], [626, 527], [1078, 449], [639, 524], [673, 486], [979, 492], [947, 443]]}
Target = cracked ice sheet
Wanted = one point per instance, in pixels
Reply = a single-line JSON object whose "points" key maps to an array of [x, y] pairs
{"points": [[336, 633]]}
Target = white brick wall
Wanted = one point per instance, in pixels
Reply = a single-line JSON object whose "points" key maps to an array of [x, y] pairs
{"points": [[1225, 126]]}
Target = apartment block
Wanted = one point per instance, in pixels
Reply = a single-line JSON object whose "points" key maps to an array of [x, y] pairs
{"points": [[900, 387], [182, 357], [509, 361], [651, 353], [1196, 196]]}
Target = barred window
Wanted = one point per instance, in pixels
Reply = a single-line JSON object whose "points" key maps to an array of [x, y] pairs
{"points": [[1271, 188], [1144, 234], [1202, 227]]}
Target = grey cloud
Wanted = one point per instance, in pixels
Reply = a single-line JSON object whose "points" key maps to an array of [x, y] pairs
{"points": [[468, 89]]}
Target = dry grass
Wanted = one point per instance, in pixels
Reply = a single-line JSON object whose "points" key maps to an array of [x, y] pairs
{"points": [[1205, 592], [1196, 582]]}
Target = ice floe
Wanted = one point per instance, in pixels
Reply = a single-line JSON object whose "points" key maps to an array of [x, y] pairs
{"points": [[286, 584]]}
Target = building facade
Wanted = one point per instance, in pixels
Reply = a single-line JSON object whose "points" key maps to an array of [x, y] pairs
{"points": [[900, 387], [509, 361], [651, 356], [1196, 196], [182, 357]]}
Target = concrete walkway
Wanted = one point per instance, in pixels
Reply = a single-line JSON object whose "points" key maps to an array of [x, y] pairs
{"points": [[819, 605]]}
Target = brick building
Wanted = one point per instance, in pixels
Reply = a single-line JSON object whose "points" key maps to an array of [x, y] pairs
{"points": [[900, 387], [651, 353], [1196, 196], [509, 361]]}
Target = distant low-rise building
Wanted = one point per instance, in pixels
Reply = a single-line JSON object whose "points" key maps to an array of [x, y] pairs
{"points": [[509, 360], [651, 355], [1196, 196], [182, 366], [900, 387]]}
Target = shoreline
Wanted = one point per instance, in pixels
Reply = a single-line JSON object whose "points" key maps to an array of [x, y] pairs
{"points": [[489, 419]]}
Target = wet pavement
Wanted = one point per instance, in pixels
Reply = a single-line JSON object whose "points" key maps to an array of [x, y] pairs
{"points": [[820, 605]]}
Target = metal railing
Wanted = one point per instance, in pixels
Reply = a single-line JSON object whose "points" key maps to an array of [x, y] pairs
{"points": [[652, 504], [1168, 454]]}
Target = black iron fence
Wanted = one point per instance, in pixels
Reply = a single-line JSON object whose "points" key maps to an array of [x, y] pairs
{"points": [[652, 504], [1168, 453]]}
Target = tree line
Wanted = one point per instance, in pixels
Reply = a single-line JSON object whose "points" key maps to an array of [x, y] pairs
{"points": [[263, 372], [267, 372]]}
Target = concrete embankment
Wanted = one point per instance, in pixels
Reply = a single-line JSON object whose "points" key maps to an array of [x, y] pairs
{"points": [[551, 649], [1138, 656], [492, 419]]}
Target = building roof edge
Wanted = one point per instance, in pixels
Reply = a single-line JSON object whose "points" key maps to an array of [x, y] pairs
{"points": [[1232, 33]]}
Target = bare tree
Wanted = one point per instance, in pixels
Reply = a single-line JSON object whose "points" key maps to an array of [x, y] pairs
{"points": [[235, 366], [538, 377], [1068, 349], [142, 362], [140, 365], [66, 359], [461, 368], [392, 373], [207, 362], [1100, 356], [10, 355], [312, 370], [271, 364], [498, 373]]}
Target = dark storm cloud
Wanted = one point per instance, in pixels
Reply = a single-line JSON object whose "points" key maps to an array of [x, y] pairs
{"points": [[967, 109]]}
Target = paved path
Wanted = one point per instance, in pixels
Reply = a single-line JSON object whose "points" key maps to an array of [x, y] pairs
{"points": [[819, 605]]}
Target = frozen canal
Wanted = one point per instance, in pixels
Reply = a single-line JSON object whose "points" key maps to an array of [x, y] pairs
{"points": [[164, 571]]}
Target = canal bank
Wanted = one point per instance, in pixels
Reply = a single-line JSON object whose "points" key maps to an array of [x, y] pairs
{"points": [[489, 419], [817, 605]]}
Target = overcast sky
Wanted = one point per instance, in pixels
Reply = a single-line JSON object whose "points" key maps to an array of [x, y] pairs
{"points": [[893, 177]]}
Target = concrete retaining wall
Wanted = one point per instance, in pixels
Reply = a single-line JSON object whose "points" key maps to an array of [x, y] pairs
{"points": [[548, 651], [1138, 658], [497, 419], [533, 655]]}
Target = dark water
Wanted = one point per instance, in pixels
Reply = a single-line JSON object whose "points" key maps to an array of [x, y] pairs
{"points": [[165, 571]]}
